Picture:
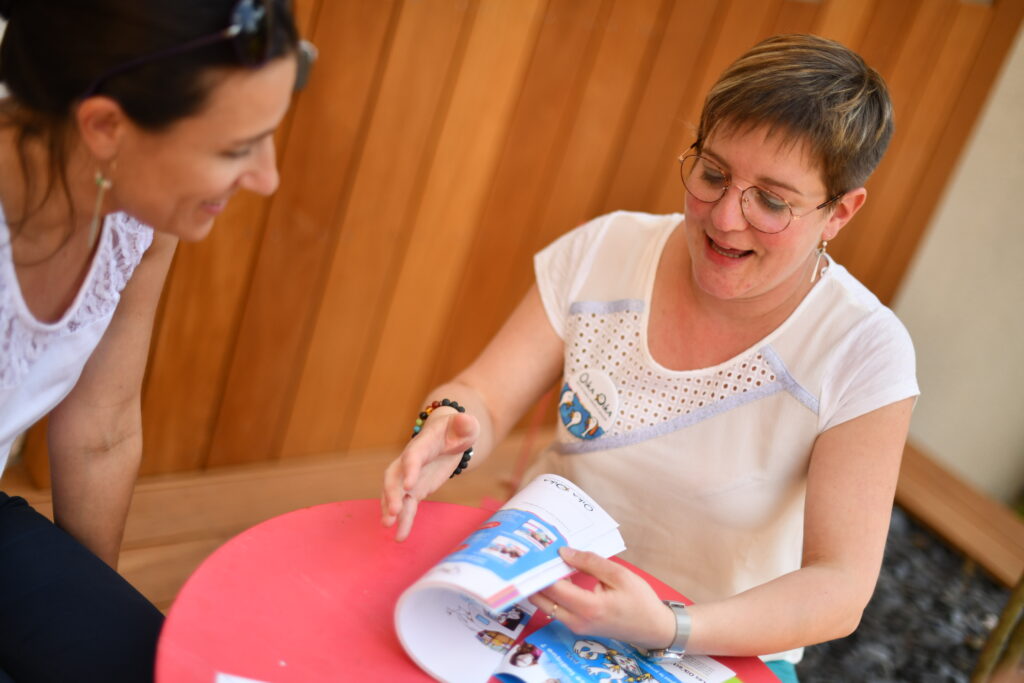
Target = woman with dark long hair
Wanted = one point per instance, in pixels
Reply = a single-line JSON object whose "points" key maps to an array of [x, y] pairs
{"points": [[127, 126]]}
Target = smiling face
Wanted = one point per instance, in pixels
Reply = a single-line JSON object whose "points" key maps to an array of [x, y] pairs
{"points": [[178, 180], [729, 259]]}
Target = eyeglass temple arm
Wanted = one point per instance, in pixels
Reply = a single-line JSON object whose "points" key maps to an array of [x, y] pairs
{"points": [[828, 201], [686, 152]]}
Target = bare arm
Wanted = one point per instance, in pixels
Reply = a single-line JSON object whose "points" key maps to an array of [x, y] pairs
{"points": [[515, 368], [95, 434], [850, 488]]}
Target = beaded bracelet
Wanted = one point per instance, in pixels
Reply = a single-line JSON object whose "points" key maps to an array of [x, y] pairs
{"points": [[467, 454]]}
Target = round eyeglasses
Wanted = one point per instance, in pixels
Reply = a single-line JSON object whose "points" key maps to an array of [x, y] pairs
{"points": [[764, 210]]}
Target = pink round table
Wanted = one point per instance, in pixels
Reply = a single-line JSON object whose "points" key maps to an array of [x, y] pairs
{"points": [[309, 596]]}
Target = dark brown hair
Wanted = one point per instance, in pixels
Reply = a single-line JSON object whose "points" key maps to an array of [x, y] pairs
{"points": [[54, 50]]}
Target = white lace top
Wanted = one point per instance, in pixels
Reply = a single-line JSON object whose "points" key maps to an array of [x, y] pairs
{"points": [[41, 362]]}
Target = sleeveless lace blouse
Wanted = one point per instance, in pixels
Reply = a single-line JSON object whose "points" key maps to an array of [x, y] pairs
{"points": [[41, 362]]}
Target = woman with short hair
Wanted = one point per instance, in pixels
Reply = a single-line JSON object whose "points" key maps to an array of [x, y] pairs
{"points": [[734, 398]]}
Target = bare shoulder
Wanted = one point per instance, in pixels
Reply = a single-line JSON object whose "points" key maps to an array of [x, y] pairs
{"points": [[162, 249], [148, 279]]}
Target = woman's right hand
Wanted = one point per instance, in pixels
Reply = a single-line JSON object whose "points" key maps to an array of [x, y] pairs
{"points": [[424, 465]]}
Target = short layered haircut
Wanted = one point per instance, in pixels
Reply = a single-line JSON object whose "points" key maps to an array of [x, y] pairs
{"points": [[810, 91]]}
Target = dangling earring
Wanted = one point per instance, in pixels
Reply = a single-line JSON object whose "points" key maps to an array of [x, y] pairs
{"points": [[103, 184], [817, 262]]}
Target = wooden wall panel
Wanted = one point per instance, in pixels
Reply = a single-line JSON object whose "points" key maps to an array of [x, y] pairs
{"points": [[607, 108], [193, 344], [923, 96], [796, 16], [442, 142], [1005, 22], [502, 248], [737, 26], [491, 72], [942, 87], [414, 93], [648, 158], [281, 305], [844, 20], [906, 73], [596, 119]]}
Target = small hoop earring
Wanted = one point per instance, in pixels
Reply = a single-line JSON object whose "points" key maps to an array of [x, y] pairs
{"points": [[817, 262], [103, 184]]}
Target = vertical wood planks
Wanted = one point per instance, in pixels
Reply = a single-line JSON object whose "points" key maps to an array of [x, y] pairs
{"points": [[648, 160], [505, 238], [387, 188], [282, 301], [470, 140], [917, 113], [968, 60], [844, 20], [442, 142], [795, 16], [736, 27], [608, 101], [192, 344], [942, 88]]}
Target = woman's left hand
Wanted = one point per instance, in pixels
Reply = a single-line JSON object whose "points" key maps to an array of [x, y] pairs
{"points": [[621, 606]]}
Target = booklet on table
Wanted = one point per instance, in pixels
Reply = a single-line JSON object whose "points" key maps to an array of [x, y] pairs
{"points": [[460, 621]]}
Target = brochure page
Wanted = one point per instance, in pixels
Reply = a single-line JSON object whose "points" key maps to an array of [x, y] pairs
{"points": [[554, 653], [462, 617]]}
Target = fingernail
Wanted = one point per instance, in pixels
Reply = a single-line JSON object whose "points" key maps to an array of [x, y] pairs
{"points": [[567, 552]]}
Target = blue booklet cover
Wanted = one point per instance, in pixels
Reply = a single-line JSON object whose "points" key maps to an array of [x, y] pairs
{"points": [[554, 653]]}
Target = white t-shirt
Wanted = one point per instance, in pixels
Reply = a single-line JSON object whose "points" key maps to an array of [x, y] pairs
{"points": [[705, 470], [41, 362]]}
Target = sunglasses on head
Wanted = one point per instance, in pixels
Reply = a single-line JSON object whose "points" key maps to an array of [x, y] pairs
{"points": [[250, 31]]}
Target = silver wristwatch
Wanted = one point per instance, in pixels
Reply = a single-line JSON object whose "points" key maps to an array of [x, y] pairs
{"points": [[678, 647]]}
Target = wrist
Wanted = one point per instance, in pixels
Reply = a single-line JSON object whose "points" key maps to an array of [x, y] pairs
{"points": [[454, 408], [679, 629], [666, 628]]}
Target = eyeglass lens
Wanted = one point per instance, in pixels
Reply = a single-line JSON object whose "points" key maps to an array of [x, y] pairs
{"points": [[705, 181]]}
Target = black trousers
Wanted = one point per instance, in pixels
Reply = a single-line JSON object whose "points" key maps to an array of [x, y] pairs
{"points": [[65, 615]]}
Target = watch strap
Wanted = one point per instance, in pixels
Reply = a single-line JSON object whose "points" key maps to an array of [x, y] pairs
{"points": [[683, 627]]}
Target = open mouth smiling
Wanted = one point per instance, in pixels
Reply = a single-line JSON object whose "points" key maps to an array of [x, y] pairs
{"points": [[728, 253]]}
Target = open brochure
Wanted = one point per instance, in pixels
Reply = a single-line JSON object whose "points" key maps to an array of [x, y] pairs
{"points": [[554, 653], [462, 620]]}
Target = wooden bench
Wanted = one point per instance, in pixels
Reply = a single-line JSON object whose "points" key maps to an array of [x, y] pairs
{"points": [[177, 520], [983, 529]]}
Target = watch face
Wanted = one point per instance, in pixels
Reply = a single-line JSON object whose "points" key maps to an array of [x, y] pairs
{"points": [[663, 655]]}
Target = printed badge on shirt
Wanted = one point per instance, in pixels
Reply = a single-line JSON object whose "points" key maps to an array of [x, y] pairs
{"points": [[588, 404]]}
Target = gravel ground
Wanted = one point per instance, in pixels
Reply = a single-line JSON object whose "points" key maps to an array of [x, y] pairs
{"points": [[927, 622]]}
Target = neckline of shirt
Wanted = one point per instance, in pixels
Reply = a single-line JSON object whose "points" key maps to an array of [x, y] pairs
{"points": [[10, 275], [755, 348]]}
